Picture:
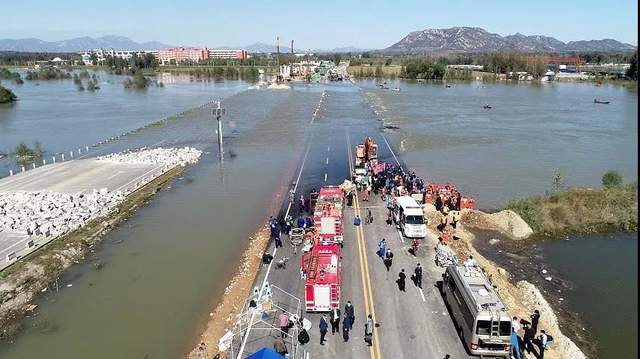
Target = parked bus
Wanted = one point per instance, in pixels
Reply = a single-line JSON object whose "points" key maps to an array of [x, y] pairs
{"points": [[480, 316], [409, 215]]}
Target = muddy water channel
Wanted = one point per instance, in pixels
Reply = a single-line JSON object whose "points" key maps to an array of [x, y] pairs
{"points": [[147, 289], [593, 284]]}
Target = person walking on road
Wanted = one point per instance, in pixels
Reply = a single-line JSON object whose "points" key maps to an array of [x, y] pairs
{"points": [[324, 327], [382, 248], [418, 276], [388, 259], [356, 221], [515, 345], [346, 327], [400, 281], [368, 330], [350, 312], [335, 321]]}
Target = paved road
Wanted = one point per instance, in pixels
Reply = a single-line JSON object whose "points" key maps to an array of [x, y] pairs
{"points": [[77, 176], [414, 324]]}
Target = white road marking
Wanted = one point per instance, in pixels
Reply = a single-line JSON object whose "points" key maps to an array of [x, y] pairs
{"points": [[389, 146], [266, 277], [328, 148], [327, 160], [422, 294], [325, 177], [401, 236]]}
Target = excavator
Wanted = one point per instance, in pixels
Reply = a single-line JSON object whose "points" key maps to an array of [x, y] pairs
{"points": [[367, 152]]}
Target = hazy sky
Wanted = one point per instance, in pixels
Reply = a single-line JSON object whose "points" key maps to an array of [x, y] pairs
{"points": [[312, 24]]}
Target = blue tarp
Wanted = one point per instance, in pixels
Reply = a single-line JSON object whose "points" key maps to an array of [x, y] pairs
{"points": [[265, 353]]}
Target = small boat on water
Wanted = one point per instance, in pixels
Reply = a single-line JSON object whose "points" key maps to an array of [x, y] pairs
{"points": [[397, 89], [448, 86], [595, 100], [487, 107]]}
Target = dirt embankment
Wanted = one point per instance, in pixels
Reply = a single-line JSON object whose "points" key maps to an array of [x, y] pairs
{"points": [[232, 304], [20, 283], [520, 298]]}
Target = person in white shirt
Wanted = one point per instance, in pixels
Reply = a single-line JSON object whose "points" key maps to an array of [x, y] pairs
{"points": [[515, 324]]}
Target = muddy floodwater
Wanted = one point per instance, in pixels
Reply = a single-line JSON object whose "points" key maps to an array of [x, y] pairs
{"points": [[514, 148], [148, 288]]}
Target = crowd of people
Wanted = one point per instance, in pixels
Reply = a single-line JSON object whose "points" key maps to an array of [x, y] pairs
{"points": [[528, 340]]}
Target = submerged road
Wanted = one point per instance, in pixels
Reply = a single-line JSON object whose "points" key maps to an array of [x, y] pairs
{"points": [[411, 324]]}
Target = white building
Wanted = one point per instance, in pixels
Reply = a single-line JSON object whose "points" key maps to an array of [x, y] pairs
{"points": [[101, 54]]}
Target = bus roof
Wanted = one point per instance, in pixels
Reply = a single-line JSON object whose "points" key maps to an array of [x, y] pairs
{"points": [[477, 288], [407, 202]]}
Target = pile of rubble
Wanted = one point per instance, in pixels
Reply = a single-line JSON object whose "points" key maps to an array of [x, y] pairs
{"points": [[52, 214], [169, 157]]}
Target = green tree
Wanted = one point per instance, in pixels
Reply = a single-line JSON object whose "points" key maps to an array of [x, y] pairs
{"points": [[611, 179], [632, 72], [94, 59], [7, 95]]}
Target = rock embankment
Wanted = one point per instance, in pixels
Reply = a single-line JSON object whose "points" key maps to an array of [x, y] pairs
{"points": [[53, 214], [506, 221], [520, 298], [160, 156]]}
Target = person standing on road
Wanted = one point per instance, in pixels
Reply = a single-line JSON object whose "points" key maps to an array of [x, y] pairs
{"points": [[350, 312], [335, 321], [280, 346], [418, 275], [283, 322], [527, 338], [388, 259], [368, 330], [400, 281], [346, 327], [356, 221], [535, 318], [324, 327], [542, 343]]}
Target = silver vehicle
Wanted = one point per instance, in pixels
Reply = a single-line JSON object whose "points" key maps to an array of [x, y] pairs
{"points": [[481, 319]]}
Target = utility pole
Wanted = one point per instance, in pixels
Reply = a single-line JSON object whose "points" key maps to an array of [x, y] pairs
{"points": [[218, 112]]}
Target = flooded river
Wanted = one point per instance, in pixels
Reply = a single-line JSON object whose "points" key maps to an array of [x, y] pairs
{"points": [[160, 270], [514, 148], [61, 118]]}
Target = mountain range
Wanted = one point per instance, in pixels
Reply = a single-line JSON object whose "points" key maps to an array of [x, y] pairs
{"points": [[479, 40], [451, 40], [77, 44], [124, 43]]}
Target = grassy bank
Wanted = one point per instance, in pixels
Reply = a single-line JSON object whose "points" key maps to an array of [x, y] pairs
{"points": [[580, 211]]}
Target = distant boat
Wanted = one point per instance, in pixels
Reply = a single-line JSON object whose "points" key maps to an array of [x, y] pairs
{"points": [[448, 86], [487, 107], [595, 100], [397, 89]]}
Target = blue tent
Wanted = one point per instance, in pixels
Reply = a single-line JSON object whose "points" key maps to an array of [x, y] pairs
{"points": [[265, 353]]}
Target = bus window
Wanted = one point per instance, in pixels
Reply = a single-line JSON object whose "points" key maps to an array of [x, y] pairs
{"points": [[415, 220], [505, 328], [483, 327]]}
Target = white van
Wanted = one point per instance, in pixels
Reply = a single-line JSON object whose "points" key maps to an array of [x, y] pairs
{"points": [[409, 216]]}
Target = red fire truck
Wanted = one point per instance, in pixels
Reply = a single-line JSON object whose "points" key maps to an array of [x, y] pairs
{"points": [[327, 216], [321, 270]]}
